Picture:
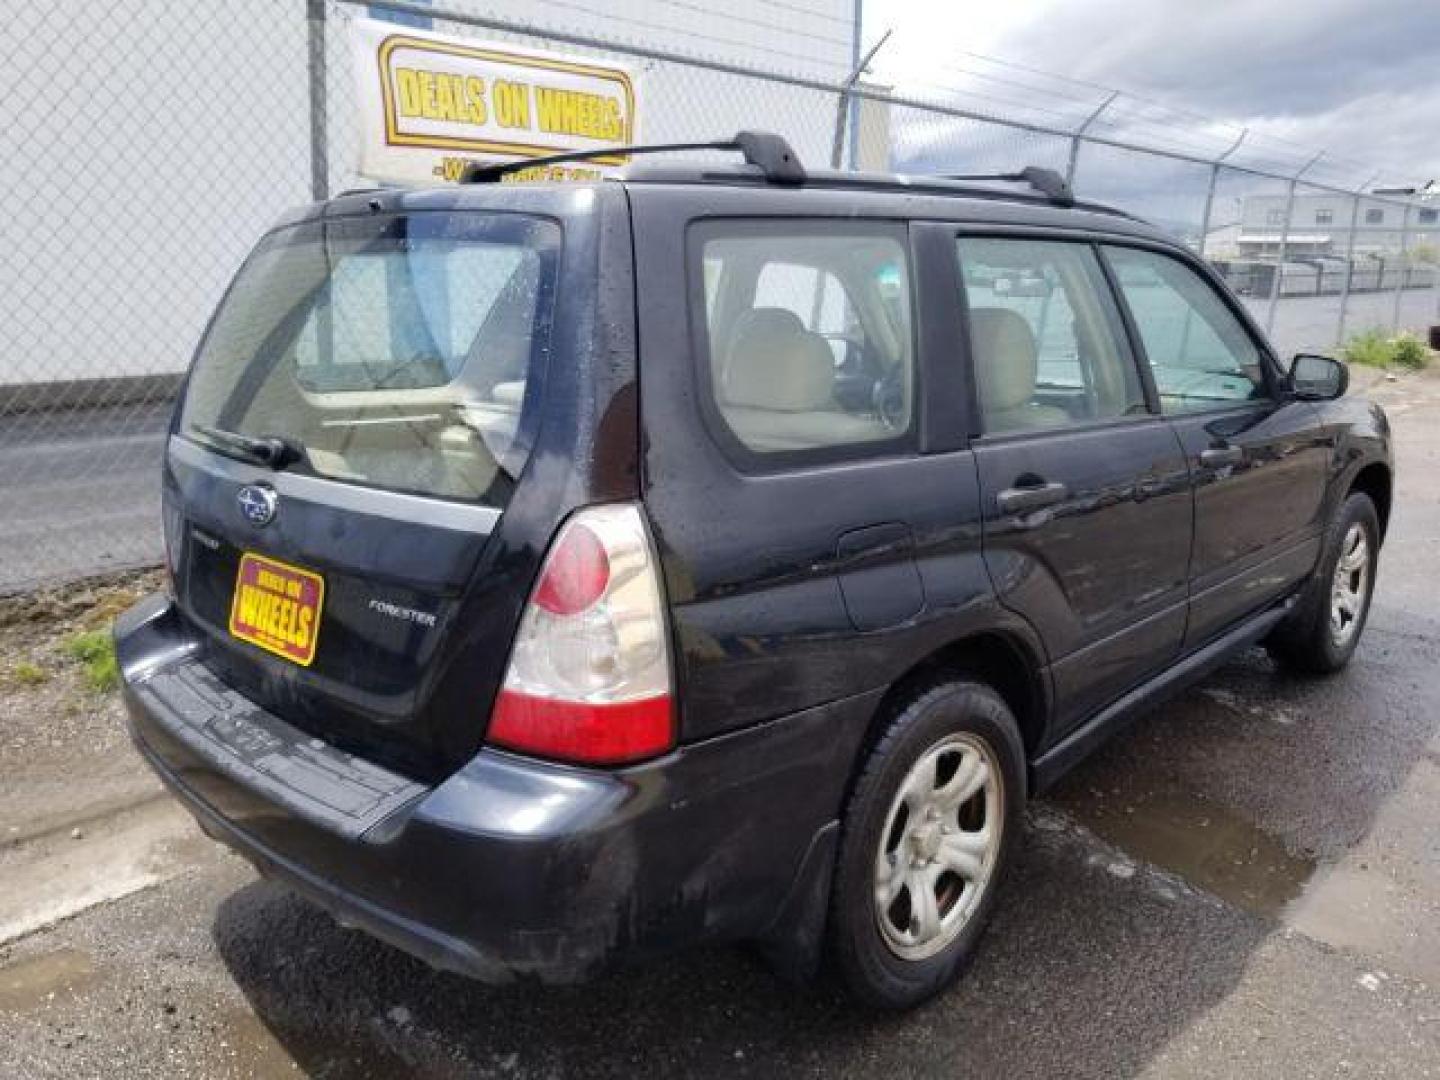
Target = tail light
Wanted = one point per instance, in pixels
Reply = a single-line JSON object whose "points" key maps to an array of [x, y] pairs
{"points": [[589, 674]]}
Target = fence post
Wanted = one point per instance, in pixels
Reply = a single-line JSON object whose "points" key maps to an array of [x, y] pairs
{"points": [[1433, 269], [842, 102], [316, 69], [1404, 269], [1350, 262], [1209, 205], [1279, 279], [1210, 190], [1079, 133]]}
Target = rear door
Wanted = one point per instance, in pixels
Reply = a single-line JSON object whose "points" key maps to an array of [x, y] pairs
{"points": [[365, 587], [1257, 460], [1087, 514]]}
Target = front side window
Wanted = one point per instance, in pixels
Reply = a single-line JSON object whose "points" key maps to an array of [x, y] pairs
{"points": [[1046, 342], [808, 333], [1199, 353], [392, 351]]}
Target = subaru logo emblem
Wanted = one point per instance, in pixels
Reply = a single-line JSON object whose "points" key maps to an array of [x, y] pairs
{"points": [[258, 502]]}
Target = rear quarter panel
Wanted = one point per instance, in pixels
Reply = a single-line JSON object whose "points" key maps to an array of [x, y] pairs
{"points": [[782, 584]]}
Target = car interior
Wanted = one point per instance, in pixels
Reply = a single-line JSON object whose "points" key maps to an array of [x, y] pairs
{"points": [[375, 378], [808, 349], [1045, 352]]}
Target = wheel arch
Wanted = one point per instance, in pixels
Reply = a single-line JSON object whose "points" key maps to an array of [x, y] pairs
{"points": [[1376, 481], [1003, 661]]}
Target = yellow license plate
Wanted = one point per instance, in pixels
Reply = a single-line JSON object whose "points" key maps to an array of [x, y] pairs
{"points": [[277, 607]]}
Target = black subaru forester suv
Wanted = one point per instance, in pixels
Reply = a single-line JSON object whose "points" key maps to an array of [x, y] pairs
{"points": [[564, 574]]}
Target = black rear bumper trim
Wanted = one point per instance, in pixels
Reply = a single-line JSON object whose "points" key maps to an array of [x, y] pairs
{"points": [[437, 949], [308, 777]]}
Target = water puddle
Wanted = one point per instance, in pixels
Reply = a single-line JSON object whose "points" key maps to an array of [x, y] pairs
{"points": [[1207, 845], [28, 983]]}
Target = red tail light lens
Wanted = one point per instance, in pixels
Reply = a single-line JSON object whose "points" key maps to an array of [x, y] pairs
{"points": [[576, 575], [596, 734], [589, 675]]}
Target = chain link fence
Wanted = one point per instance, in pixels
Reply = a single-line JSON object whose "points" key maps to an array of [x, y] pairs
{"points": [[145, 146]]}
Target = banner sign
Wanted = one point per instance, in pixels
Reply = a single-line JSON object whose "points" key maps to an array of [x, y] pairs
{"points": [[431, 103]]}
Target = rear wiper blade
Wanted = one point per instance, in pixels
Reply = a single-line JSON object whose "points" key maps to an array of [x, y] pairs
{"points": [[272, 451]]}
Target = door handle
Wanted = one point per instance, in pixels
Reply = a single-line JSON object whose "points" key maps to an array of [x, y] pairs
{"points": [[1022, 500], [1219, 457]]}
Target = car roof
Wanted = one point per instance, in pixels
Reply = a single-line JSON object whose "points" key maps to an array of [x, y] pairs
{"points": [[878, 183], [735, 187], [734, 190], [1033, 196]]}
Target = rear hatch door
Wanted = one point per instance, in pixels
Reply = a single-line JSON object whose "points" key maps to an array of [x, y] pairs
{"points": [[350, 439]]}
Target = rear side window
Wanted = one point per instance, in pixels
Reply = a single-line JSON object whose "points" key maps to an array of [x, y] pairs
{"points": [[1046, 341], [401, 352], [807, 333], [1200, 354]]}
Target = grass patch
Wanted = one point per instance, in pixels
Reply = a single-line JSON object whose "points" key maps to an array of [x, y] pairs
{"points": [[95, 650], [1409, 352], [1375, 348], [28, 674], [1367, 348]]}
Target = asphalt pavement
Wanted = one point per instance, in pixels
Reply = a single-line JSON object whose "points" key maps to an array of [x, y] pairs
{"points": [[81, 492], [1244, 884]]}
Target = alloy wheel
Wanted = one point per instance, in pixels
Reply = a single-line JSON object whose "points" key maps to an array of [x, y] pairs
{"points": [[939, 846]]}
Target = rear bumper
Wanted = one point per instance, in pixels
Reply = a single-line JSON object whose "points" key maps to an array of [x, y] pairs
{"points": [[511, 867]]}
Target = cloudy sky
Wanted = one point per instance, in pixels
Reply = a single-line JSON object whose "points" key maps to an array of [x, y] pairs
{"points": [[1357, 78]]}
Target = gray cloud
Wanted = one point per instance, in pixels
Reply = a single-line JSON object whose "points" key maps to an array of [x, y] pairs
{"points": [[1241, 57], [1361, 79]]}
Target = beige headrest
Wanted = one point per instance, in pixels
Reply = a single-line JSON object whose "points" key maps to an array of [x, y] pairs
{"points": [[1005, 358], [775, 363]]}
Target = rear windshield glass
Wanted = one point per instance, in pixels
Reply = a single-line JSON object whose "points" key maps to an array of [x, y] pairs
{"points": [[402, 352]]}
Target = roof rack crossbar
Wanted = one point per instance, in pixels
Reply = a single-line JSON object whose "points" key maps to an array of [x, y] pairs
{"points": [[769, 152], [1046, 181]]}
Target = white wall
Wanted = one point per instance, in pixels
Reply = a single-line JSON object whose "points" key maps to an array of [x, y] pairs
{"points": [[145, 144]]}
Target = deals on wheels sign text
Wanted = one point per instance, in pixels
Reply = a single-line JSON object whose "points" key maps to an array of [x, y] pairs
{"points": [[430, 103]]}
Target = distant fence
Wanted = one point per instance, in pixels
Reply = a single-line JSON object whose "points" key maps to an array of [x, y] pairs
{"points": [[130, 208]]}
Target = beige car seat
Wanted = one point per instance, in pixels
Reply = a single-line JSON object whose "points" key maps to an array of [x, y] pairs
{"points": [[1006, 363], [777, 387]]}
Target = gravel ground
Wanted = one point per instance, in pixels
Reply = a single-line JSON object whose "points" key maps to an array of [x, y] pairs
{"points": [[52, 720], [1245, 884]]}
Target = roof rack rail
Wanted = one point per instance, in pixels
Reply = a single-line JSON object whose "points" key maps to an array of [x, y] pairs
{"points": [[771, 153], [1046, 181]]}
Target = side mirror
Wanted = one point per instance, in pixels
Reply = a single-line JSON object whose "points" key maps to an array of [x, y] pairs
{"points": [[1318, 378]]}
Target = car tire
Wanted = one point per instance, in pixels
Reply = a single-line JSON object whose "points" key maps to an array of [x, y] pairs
{"points": [[899, 823], [1321, 634]]}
